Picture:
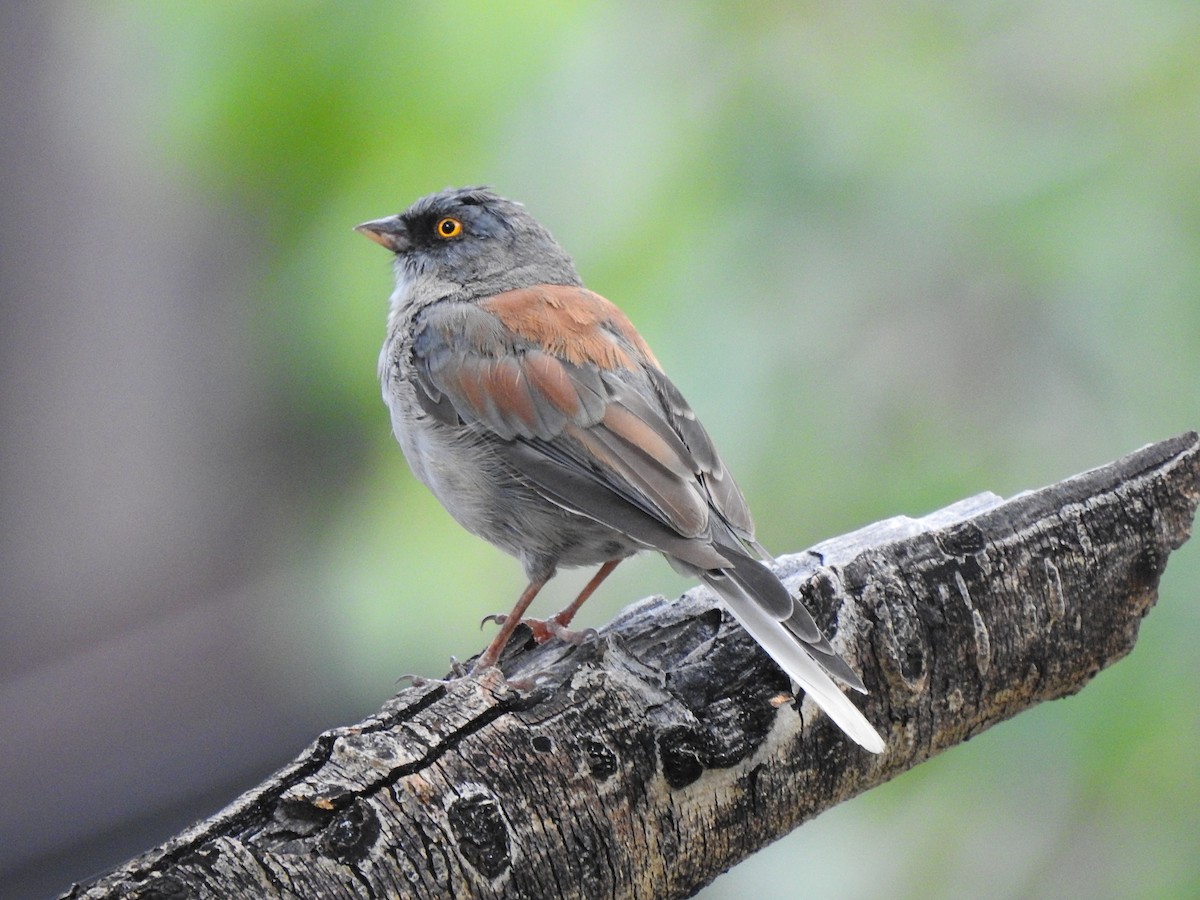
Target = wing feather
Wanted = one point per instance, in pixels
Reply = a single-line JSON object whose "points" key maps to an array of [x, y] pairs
{"points": [[612, 416]]}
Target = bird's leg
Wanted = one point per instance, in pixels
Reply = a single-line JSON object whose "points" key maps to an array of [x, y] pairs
{"points": [[563, 618], [556, 625], [508, 624]]}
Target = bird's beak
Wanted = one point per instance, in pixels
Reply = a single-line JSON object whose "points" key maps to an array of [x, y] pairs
{"points": [[388, 232]]}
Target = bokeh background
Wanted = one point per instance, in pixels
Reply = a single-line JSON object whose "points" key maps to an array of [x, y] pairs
{"points": [[895, 254]]}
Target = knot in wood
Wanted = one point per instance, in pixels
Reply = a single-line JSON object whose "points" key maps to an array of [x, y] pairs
{"points": [[963, 539], [601, 760], [351, 834], [481, 833], [680, 751]]}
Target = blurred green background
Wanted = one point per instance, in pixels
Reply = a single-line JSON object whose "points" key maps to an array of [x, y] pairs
{"points": [[894, 254]]}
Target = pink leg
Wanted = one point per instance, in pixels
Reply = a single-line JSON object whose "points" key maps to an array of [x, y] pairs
{"points": [[556, 625], [488, 658], [564, 617]]}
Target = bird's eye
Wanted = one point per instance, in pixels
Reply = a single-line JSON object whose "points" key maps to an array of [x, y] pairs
{"points": [[448, 227]]}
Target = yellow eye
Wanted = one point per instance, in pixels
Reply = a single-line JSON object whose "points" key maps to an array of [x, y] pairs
{"points": [[448, 228]]}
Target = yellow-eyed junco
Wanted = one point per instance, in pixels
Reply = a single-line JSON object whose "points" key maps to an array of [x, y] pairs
{"points": [[540, 419]]}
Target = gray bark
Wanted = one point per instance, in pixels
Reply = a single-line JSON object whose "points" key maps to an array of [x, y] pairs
{"points": [[647, 761]]}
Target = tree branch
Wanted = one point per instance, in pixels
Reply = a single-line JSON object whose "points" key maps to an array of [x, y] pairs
{"points": [[644, 763]]}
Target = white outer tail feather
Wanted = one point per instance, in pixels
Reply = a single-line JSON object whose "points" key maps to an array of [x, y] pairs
{"points": [[791, 656]]}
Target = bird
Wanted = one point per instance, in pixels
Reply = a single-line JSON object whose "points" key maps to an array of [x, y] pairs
{"points": [[540, 419]]}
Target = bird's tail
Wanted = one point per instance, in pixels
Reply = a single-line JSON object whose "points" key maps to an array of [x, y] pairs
{"points": [[787, 632]]}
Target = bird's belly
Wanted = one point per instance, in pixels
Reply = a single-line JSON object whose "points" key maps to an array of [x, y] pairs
{"points": [[485, 497]]}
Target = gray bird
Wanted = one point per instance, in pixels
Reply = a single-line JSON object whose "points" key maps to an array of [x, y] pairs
{"points": [[540, 419]]}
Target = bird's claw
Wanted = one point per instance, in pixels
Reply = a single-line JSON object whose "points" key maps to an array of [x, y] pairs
{"points": [[457, 671], [493, 678], [577, 638], [545, 629], [490, 677], [494, 618]]}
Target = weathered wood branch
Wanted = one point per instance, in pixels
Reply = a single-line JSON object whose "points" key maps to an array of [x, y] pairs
{"points": [[647, 761]]}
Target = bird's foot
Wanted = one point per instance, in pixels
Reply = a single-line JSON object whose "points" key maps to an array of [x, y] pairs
{"points": [[489, 676], [493, 679], [545, 629], [457, 671]]}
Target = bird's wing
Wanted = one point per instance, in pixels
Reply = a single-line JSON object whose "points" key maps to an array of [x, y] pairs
{"points": [[559, 375]]}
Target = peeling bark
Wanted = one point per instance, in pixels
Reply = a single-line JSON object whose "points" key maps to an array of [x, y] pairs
{"points": [[644, 763]]}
